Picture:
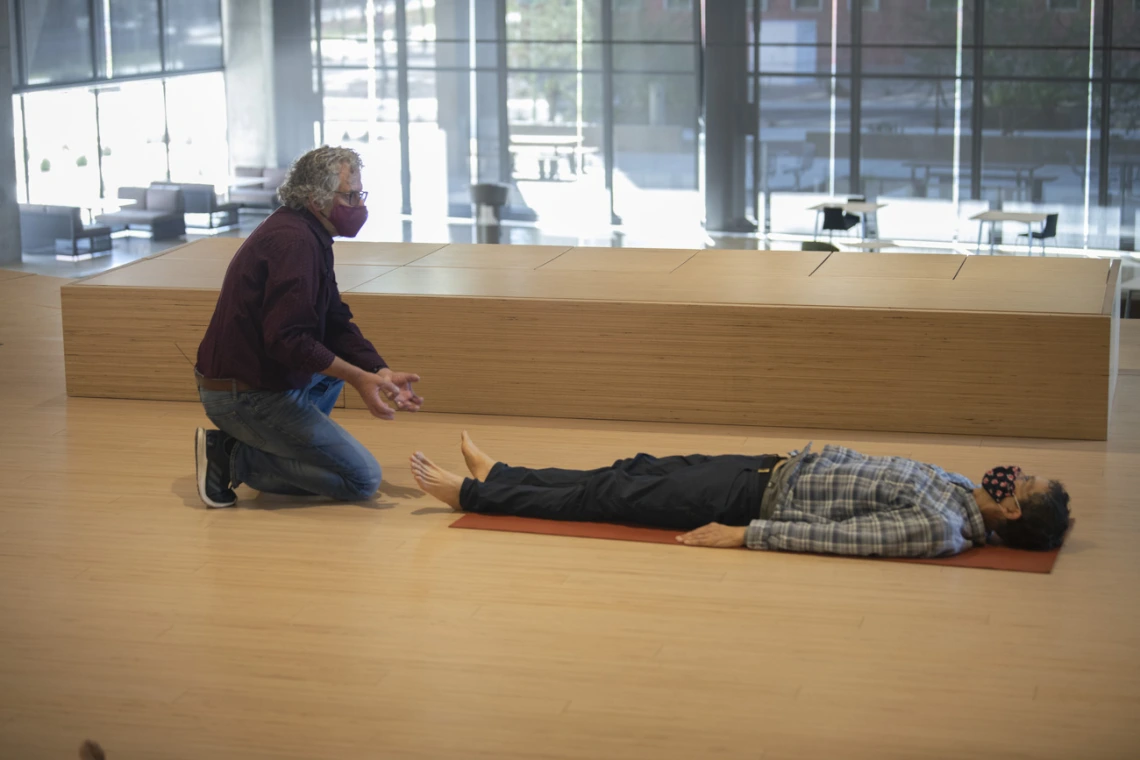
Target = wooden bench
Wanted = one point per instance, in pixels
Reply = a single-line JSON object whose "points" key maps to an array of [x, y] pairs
{"points": [[973, 345]]}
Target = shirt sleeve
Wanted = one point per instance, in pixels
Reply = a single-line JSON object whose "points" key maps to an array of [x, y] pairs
{"points": [[289, 316], [345, 338], [899, 533]]}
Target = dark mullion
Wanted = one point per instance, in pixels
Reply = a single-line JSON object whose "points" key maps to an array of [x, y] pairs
{"points": [[166, 129], [94, 39], [21, 53], [699, 54], [402, 91], [320, 66], [977, 102], [608, 102], [24, 158], [856, 181], [504, 114], [1105, 102], [99, 147], [759, 184], [162, 35]]}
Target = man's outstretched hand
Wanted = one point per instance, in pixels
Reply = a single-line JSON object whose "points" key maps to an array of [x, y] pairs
{"points": [[716, 535], [405, 398], [396, 387]]}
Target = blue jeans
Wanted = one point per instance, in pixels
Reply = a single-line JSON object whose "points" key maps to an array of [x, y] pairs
{"points": [[287, 444]]}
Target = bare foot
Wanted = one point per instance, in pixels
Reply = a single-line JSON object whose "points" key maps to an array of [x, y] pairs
{"points": [[477, 462], [436, 481]]}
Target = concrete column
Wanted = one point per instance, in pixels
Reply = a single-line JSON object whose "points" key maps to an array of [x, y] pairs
{"points": [[248, 26], [9, 209], [454, 95], [726, 115], [297, 102]]}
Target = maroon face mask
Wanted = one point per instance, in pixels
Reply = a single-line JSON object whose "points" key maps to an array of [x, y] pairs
{"points": [[348, 219]]}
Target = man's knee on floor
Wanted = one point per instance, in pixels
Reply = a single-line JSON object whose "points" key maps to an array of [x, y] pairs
{"points": [[363, 481]]}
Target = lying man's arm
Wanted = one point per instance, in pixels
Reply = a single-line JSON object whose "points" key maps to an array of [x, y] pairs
{"points": [[899, 533]]}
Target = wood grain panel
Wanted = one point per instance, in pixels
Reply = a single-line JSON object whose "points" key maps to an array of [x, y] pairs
{"points": [[1052, 270], [620, 260], [12, 274], [714, 287], [891, 265], [206, 274], [129, 342], [481, 256], [732, 263], [867, 353], [218, 248], [345, 251], [855, 369], [381, 254]]}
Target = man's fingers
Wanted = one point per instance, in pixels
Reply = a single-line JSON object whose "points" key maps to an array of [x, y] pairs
{"points": [[706, 535], [693, 537], [380, 409]]}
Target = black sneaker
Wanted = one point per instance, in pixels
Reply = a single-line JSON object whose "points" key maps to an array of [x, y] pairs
{"points": [[212, 466]]}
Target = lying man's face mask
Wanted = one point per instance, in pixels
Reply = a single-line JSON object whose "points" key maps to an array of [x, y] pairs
{"points": [[999, 482]]}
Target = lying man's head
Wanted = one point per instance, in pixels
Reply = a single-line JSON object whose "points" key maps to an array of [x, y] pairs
{"points": [[1025, 511]]}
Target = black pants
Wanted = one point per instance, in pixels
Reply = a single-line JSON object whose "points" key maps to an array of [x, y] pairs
{"points": [[681, 493]]}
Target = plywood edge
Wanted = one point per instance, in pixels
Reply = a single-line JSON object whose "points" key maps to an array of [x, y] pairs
{"points": [[1112, 304], [1112, 289]]}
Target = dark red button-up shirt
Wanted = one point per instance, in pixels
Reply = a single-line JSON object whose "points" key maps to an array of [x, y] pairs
{"points": [[279, 318]]}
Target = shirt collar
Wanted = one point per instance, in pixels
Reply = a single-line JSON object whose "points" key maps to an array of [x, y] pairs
{"points": [[315, 225], [978, 530]]}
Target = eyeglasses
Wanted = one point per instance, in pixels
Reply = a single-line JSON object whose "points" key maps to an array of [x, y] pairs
{"points": [[354, 198]]}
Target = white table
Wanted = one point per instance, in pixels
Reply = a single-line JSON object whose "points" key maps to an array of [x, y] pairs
{"points": [[870, 245], [555, 145], [1029, 217], [848, 207]]}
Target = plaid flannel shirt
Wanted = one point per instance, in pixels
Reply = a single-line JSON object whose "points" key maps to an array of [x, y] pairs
{"points": [[842, 502]]}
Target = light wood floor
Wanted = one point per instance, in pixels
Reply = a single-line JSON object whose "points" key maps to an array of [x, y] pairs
{"points": [[131, 615]]}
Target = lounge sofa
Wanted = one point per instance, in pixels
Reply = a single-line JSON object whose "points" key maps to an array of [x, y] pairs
{"points": [[60, 230], [159, 209], [201, 205], [263, 194]]}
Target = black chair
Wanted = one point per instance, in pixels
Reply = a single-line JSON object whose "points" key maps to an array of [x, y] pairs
{"points": [[1048, 230], [836, 219]]}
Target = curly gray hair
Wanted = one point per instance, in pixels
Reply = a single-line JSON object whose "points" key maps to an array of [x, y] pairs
{"points": [[315, 176]]}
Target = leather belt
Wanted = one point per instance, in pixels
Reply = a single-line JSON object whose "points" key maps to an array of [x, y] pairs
{"points": [[212, 384]]}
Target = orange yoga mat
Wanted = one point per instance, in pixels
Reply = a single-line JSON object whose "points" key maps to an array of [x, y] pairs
{"points": [[986, 557]]}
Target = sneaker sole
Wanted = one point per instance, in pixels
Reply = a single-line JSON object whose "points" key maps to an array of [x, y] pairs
{"points": [[201, 464]]}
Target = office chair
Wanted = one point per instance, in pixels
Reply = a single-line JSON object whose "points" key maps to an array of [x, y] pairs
{"points": [[837, 219], [1048, 230]]}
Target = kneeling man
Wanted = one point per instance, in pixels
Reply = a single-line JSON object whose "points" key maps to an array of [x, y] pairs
{"points": [[282, 344], [837, 501]]}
